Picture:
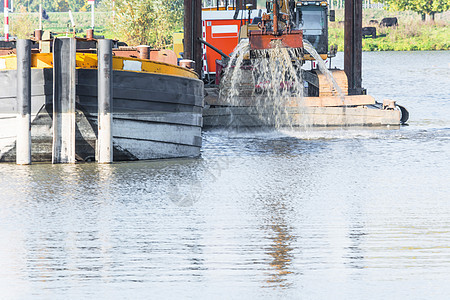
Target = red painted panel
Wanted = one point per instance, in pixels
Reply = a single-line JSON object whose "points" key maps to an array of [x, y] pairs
{"points": [[225, 41]]}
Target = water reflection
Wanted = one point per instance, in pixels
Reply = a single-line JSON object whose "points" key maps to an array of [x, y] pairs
{"points": [[280, 250], [279, 235], [355, 256], [362, 213]]}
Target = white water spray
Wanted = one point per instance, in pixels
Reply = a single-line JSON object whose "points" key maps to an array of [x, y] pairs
{"points": [[271, 83]]}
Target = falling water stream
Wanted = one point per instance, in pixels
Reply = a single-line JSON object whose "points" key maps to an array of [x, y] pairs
{"points": [[323, 68], [270, 82]]}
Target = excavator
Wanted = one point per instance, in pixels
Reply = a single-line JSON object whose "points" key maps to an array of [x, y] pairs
{"points": [[287, 21], [302, 27]]}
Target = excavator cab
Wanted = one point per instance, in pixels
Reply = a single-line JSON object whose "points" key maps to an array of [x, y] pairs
{"points": [[311, 18]]}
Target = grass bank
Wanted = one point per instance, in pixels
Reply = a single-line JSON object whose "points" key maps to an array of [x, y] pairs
{"points": [[411, 34]]}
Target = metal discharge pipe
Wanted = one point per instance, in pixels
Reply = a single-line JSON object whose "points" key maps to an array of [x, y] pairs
{"points": [[212, 47]]}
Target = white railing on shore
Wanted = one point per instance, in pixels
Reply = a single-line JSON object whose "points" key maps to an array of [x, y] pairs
{"points": [[367, 4]]}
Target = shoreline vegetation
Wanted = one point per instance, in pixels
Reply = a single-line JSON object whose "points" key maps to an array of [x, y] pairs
{"points": [[412, 34]]}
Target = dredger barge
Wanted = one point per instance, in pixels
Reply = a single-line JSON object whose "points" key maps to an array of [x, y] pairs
{"points": [[340, 101]]}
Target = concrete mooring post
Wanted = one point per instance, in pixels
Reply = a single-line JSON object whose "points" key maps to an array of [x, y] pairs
{"points": [[64, 84], [105, 96], [23, 144]]}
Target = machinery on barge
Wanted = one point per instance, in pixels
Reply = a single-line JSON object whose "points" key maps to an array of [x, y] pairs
{"points": [[302, 27]]}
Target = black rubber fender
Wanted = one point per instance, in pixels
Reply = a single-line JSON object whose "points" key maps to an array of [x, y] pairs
{"points": [[405, 114]]}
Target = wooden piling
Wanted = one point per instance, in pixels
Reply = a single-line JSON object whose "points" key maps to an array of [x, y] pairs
{"points": [[64, 84], [105, 95], [353, 45], [23, 144]]}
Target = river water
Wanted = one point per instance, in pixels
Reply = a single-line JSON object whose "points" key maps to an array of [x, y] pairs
{"points": [[324, 214]]}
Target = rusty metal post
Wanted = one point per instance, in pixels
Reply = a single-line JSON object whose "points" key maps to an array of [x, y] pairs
{"points": [[144, 51], [275, 18], [64, 72], [105, 102], [187, 39], [23, 144], [193, 31], [353, 46]]}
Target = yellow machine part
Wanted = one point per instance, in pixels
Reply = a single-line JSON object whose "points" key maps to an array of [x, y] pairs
{"points": [[325, 89], [309, 57], [89, 61], [178, 43]]}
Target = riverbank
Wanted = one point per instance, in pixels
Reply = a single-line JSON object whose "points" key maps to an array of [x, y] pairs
{"points": [[411, 34]]}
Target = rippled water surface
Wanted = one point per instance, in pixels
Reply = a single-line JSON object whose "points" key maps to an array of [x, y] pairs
{"points": [[333, 214]]}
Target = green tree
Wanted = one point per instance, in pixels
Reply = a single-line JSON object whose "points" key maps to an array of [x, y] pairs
{"points": [[150, 22], [423, 7], [23, 23]]}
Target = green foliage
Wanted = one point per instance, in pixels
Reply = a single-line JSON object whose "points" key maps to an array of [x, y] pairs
{"points": [[150, 22], [429, 7], [412, 35], [23, 23]]}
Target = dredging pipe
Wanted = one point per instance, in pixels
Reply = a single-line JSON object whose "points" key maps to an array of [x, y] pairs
{"points": [[23, 144], [213, 48]]}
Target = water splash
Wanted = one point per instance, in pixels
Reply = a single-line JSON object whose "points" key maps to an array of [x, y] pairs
{"points": [[271, 84], [232, 83], [279, 84], [267, 88]]}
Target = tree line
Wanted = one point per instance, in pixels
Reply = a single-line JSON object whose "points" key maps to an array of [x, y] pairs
{"points": [[154, 21], [422, 7]]}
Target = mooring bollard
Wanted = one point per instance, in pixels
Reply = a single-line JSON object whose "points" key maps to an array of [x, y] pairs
{"points": [[144, 51], [23, 100], [105, 97], [64, 72], [90, 34]]}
